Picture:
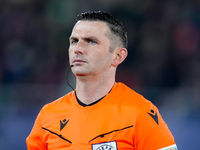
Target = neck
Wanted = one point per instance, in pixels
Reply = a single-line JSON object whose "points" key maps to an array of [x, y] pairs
{"points": [[89, 91]]}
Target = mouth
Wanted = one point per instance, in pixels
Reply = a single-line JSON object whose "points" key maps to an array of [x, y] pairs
{"points": [[78, 62]]}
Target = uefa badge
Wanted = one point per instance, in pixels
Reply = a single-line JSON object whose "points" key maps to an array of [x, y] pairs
{"points": [[105, 146]]}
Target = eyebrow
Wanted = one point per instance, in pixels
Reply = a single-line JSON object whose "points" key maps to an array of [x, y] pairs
{"points": [[72, 38], [85, 38]]}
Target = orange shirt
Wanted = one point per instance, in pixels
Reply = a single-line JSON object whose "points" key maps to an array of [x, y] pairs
{"points": [[123, 119]]}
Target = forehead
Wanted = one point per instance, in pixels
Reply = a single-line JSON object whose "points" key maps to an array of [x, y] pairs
{"points": [[90, 28]]}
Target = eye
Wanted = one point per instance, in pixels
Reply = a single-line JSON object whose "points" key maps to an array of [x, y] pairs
{"points": [[73, 41], [92, 42]]}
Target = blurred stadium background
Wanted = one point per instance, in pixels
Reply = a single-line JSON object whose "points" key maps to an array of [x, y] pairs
{"points": [[163, 62]]}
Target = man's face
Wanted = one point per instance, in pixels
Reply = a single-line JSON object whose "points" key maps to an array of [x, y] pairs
{"points": [[89, 48]]}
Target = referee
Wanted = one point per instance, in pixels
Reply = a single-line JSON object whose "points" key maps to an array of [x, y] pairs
{"points": [[100, 114]]}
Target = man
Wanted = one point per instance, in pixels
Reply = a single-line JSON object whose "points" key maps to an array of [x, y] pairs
{"points": [[99, 114]]}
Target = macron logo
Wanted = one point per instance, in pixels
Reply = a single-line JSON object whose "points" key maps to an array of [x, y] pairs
{"points": [[63, 123], [154, 116]]}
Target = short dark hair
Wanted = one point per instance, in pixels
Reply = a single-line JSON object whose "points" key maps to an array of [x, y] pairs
{"points": [[116, 27]]}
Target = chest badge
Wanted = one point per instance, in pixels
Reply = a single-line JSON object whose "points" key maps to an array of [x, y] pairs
{"points": [[105, 146]]}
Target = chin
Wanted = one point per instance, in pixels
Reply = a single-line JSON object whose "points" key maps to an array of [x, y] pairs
{"points": [[79, 73]]}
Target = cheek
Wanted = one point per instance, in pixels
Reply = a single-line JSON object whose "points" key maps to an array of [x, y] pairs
{"points": [[103, 60], [70, 52]]}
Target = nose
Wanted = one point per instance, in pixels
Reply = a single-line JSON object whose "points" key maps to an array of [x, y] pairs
{"points": [[79, 48]]}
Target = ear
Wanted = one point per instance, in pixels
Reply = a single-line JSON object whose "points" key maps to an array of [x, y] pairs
{"points": [[119, 56]]}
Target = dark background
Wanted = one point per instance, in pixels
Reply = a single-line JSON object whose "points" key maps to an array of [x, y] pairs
{"points": [[163, 62]]}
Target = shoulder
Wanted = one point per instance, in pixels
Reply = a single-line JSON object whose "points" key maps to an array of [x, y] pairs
{"points": [[150, 130], [59, 104], [139, 102], [129, 97]]}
